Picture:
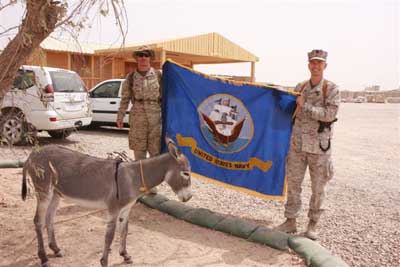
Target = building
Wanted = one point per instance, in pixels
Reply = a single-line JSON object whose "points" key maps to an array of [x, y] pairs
{"points": [[372, 88], [95, 63]]}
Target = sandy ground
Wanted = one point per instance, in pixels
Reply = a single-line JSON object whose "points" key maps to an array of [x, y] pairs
{"points": [[361, 223]]}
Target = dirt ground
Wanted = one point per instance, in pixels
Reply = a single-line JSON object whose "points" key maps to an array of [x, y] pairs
{"points": [[361, 223]]}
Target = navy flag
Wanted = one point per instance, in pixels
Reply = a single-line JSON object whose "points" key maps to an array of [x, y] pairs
{"points": [[235, 134]]}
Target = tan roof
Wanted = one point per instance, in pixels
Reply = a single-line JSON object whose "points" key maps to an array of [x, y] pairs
{"points": [[73, 46], [202, 49]]}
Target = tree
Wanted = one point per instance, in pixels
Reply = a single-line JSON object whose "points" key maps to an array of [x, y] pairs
{"points": [[41, 18]]}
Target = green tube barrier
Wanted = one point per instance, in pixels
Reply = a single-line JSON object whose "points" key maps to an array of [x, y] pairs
{"points": [[314, 254], [175, 208], [271, 238], [11, 164], [237, 227], [203, 217]]}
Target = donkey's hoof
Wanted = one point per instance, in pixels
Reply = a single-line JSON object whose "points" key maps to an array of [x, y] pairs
{"points": [[46, 264], [128, 259], [103, 262], [59, 254]]}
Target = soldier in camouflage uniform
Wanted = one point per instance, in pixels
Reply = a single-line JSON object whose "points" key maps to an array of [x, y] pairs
{"points": [[310, 145], [143, 88]]}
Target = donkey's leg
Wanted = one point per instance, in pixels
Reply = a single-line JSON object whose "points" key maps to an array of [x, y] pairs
{"points": [[39, 221], [112, 221], [51, 212], [124, 219]]}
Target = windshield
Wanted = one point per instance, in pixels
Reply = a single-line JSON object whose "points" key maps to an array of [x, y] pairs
{"points": [[67, 82]]}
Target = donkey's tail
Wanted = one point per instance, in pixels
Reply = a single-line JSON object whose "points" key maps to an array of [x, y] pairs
{"points": [[24, 188]]}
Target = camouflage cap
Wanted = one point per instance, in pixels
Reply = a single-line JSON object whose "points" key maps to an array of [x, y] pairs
{"points": [[318, 54], [144, 49]]}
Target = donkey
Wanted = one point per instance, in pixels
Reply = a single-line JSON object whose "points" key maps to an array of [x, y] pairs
{"points": [[57, 172]]}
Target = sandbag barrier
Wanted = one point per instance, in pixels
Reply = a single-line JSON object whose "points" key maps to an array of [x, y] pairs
{"points": [[314, 254], [11, 164]]}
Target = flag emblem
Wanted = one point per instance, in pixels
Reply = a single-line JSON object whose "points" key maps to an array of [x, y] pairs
{"points": [[225, 123]]}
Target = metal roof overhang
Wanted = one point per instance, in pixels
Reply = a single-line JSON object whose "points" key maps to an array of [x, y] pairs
{"points": [[211, 48]]}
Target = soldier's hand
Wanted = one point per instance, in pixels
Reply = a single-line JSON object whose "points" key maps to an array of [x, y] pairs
{"points": [[300, 100], [119, 123]]}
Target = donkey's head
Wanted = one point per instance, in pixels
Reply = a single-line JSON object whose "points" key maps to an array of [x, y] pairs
{"points": [[178, 174]]}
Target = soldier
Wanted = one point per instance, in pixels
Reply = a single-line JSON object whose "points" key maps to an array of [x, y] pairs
{"points": [[310, 143], [143, 88]]}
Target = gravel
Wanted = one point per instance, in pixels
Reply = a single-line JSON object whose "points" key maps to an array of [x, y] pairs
{"points": [[362, 219]]}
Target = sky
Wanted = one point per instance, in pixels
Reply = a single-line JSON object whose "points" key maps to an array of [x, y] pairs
{"points": [[362, 37]]}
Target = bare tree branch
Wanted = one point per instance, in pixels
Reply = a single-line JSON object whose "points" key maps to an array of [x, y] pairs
{"points": [[9, 29], [117, 12], [10, 3], [76, 11]]}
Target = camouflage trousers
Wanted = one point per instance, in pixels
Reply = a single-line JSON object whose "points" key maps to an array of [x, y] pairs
{"points": [[144, 133], [321, 171]]}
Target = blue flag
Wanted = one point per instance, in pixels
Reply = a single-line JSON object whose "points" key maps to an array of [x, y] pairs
{"points": [[235, 134]]}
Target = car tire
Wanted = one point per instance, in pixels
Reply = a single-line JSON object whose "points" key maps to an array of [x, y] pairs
{"points": [[15, 130], [60, 134]]}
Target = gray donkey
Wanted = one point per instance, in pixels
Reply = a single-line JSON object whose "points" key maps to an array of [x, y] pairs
{"points": [[57, 172]]}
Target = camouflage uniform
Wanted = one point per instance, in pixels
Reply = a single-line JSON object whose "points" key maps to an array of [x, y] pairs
{"points": [[145, 114], [305, 148]]}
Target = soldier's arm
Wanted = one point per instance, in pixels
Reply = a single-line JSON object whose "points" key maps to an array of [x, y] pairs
{"points": [[125, 98], [329, 111]]}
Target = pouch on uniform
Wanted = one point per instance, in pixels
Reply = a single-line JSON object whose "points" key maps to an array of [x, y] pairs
{"points": [[203, 217], [271, 238], [236, 227], [175, 208]]}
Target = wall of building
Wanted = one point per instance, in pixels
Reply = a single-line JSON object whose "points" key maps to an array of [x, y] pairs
{"points": [[57, 60]]}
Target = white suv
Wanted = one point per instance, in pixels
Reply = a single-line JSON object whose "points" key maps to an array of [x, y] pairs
{"points": [[43, 98]]}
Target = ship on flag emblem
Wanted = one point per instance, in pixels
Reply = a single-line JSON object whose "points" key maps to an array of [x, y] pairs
{"points": [[224, 117]]}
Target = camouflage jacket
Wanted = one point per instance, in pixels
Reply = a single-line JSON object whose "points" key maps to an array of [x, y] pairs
{"points": [[144, 91], [305, 135]]}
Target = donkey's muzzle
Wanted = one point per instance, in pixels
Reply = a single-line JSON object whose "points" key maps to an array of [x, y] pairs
{"points": [[184, 194], [187, 198]]}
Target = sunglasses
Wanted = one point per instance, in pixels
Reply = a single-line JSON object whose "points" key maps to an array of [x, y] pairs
{"points": [[142, 54]]}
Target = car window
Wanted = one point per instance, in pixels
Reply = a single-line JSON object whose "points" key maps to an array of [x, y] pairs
{"points": [[107, 90], [67, 82], [24, 79]]}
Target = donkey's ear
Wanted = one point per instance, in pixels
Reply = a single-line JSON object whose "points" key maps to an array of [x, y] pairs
{"points": [[172, 147], [173, 150], [168, 140]]}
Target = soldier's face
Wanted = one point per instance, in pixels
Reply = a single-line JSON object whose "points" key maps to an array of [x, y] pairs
{"points": [[316, 67], [143, 60]]}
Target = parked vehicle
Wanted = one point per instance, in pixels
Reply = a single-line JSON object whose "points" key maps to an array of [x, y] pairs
{"points": [[360, 99], [105, 98], [44, 99]]}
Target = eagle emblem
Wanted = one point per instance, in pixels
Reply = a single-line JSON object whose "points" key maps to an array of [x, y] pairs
{"points": [[225, 120]]}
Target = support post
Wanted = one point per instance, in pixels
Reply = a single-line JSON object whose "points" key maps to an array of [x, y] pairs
{"points": [[253, 71]]}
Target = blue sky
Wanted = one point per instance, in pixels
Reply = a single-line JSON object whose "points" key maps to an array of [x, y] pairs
{"points": [[361, 37]]}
